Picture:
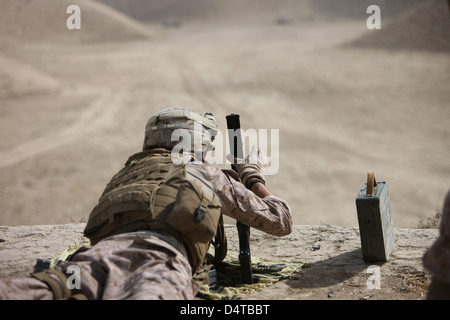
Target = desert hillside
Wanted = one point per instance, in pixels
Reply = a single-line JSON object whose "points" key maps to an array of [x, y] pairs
{"points": [[18, 80], [45, 21], [74, 103], [237, 11]]}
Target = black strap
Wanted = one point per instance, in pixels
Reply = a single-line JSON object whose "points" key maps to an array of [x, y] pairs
{"points": [[251, 183], [219, 243]]}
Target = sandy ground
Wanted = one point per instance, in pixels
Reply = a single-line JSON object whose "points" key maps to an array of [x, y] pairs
{"points": [[74, 104], [333, 267]]}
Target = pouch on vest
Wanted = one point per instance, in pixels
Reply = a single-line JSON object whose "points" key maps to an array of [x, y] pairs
{"points": [[193, 212]]}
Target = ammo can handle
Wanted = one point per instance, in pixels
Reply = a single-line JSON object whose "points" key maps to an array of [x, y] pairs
{"points": [[371, 183]]}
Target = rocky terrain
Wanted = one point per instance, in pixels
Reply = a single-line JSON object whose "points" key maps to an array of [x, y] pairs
{"points": [[345, 100], [334, 268]]}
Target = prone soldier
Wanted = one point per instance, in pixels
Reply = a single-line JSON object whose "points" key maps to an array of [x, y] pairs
{"points": [[153, 224]]}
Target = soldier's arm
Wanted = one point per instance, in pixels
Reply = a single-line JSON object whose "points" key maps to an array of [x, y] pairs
{"points": [[257, 207]]}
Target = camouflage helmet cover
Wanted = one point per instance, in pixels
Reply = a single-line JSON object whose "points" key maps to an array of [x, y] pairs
{"points": [[160, 128]]}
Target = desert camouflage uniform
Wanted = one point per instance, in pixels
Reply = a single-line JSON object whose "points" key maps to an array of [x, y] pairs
{"points": [[437, 258], [153, 265]]}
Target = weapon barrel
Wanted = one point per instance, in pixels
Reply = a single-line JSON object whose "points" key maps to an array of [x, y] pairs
{"points": [[235, 140]]}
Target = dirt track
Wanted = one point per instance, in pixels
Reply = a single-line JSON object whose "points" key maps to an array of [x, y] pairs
{"points": [[341, 110]]}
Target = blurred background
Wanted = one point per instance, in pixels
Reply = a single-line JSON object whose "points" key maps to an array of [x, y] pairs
{"points": [[346, 99]]}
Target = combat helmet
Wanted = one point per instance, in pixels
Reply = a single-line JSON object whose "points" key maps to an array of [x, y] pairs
{"points": [[175, 127]]}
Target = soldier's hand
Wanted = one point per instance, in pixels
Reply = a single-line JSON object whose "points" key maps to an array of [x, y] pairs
{"points": [[251, 166]]}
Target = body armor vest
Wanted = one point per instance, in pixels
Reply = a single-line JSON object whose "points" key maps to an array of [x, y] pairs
{"points": [[152, 193]]}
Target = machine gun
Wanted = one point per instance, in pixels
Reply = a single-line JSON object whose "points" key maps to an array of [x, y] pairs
{"points": [[235, 140]]}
